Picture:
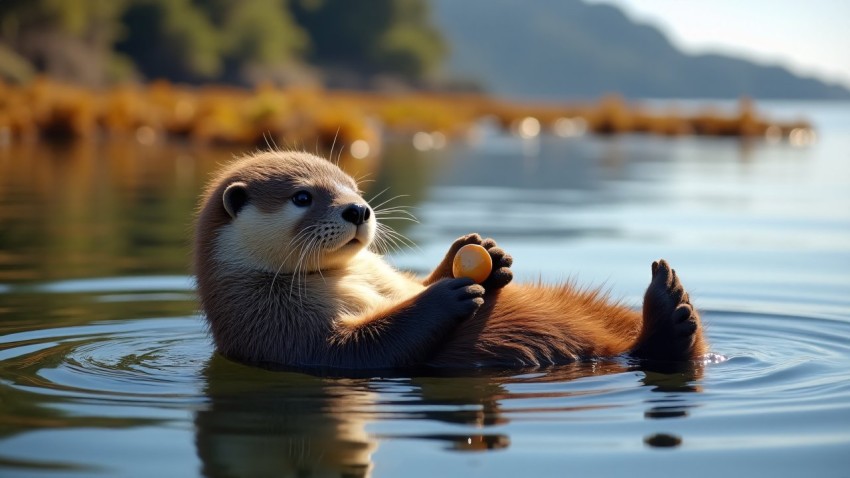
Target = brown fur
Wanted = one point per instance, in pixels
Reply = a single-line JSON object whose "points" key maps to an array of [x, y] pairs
{"points": [[342, 306], [542, 324]]}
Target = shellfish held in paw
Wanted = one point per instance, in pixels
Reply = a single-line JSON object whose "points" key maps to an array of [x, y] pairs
{"points": [[472, 261]]}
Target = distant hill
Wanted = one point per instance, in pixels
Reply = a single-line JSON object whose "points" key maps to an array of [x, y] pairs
{"points": [[570, 49]]}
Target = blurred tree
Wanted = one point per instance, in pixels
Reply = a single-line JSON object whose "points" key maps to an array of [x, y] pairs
{"points": [[173, 39], [235, 41], [66, 39], [371, 37], [259, 38], [14, 67]]}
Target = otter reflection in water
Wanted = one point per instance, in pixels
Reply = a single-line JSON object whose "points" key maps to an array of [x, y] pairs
{"points": [[270, 423], [276, 423]]}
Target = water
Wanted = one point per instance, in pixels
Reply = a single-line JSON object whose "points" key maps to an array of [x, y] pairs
{"points": [[106, 368]]}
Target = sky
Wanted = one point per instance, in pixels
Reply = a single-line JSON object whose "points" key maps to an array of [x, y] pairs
{"points": [[809, 37]]}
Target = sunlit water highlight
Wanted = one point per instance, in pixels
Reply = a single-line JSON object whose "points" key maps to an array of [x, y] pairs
{"points": [[106, 367]]}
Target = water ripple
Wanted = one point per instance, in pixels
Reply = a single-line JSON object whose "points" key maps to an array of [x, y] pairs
{"points": [[775, 362], [122, 360]]}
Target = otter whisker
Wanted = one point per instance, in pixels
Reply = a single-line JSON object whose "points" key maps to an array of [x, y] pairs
{"points": [[400, 218], [333, 143], [363, 177], [287, 145], [393, 245], [390, 199], [292, 280], [394, 210], [302, 235], [267, 137], [383, 239], [295, 244], [390, 236], [314, 250], [382, 191], [400, 207], [295, 281], [339, 154], [319, 263], [360, 182], [380, 244], [400, 237], [390, 248], [292, 245], [397, 215], [301, 268]]}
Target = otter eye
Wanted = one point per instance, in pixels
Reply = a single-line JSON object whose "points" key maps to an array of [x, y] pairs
{"points": [[302, 199]]}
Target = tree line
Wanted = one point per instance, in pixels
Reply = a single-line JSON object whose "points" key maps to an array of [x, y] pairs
{"points": [[96, 42]]}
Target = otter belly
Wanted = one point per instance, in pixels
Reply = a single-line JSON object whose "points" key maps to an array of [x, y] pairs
{"points": [[530, 325]]}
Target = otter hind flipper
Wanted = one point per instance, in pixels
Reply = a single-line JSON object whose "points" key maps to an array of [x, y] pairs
{"points": [[672, 329]]}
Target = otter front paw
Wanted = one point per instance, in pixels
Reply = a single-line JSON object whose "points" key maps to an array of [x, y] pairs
{"points": [[501, 275], [456, 299]]}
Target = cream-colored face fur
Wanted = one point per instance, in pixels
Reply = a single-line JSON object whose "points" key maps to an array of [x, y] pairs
{"points": [[296, 239]]}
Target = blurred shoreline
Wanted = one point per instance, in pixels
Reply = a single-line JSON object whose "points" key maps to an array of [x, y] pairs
{"points": [[264, 116]]}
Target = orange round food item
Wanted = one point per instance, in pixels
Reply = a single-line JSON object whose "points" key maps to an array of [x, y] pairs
{"points": [[472, 261]]}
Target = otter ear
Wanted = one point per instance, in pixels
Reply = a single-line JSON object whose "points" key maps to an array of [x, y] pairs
{"points": [[234, 197]]}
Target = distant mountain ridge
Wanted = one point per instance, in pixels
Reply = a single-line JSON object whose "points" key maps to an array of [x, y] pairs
{"points": [[571, 49]]}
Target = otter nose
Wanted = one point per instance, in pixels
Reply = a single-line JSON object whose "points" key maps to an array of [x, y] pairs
{"points": [[356, 214]]}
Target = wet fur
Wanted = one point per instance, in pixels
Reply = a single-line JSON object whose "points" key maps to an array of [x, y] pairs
{"points": [[351, 309]]}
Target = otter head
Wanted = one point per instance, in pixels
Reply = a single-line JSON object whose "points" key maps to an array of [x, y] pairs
{"points": [[284, 212]]}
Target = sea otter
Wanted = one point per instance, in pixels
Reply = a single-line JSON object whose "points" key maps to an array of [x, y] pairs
{"points": [[286, 275]]}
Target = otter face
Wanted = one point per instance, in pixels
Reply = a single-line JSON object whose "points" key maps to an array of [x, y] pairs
{"points": [[292, 213]]}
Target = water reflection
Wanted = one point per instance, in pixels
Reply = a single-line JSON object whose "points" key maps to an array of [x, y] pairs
{"points": [[663, 440], [117, 208], [84, 209], [274, 423], [283, 424]]}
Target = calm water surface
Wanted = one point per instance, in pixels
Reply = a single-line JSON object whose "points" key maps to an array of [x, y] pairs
{"points": [[106, 368]]}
